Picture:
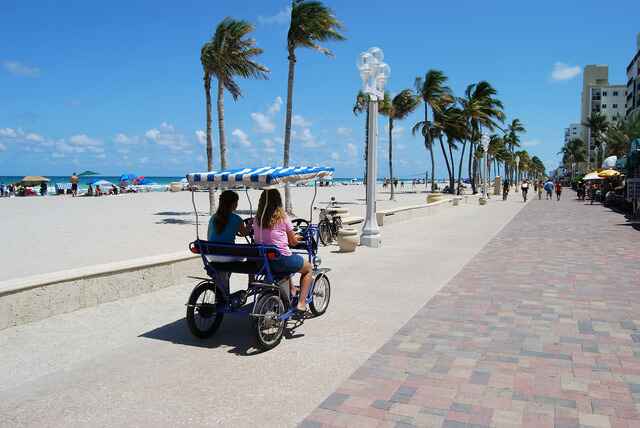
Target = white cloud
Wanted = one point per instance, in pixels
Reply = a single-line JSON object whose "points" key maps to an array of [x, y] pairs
{"points": [[143, 160], [307, 138], [84, 140], [201, 136], [121, 138], [335, 156], [352, 149], [298, 120], [531, 143], [2, 147], [398, 131], [275, 107], [562, 71], [344, 132], [263, 123], [32, 136], [19, 69], [9, 133], [281, 18], [168, 137], [241, 137], [269, 145], [57, 155]]}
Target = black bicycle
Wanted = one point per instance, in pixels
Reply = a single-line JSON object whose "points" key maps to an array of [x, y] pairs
{"points": [[330, 222]]}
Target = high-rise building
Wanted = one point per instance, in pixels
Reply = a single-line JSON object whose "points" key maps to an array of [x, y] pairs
{"points": [[572, 132], [598, 96], [633, 83]]}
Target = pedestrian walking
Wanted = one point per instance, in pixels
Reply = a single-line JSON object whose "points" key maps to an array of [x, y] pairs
{"points": [[525, 189], [540, 189], [558, 190], [548, 187], [505, 189]]}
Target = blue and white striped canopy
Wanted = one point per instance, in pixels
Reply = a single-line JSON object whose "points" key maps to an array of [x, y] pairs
{"points": [[259, 177]]}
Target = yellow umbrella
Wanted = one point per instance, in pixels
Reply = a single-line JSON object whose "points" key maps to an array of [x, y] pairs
{"points": [[608, 173]]}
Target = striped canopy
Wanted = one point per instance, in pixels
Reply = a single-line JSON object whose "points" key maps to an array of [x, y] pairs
{"points": [[259, 177]]}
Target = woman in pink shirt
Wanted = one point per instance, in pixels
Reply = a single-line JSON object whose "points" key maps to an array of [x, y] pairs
{"points": [[273, 227]]}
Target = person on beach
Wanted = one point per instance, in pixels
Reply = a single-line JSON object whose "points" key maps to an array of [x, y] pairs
{"points": [[74, 184], [89, 191], [525, 189], [272, 227], [558, 190], [505, 189], [224, 225]]}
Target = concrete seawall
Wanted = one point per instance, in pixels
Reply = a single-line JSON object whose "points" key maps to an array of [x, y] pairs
{"points": [[30, 299]]}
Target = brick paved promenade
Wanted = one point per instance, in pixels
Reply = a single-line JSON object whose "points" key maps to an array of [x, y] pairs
{"points": [[541, 329]]}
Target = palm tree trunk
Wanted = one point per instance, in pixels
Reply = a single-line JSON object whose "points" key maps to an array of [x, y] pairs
{"points": [[429, 146], [392, 197], [287, 127], [446, 159], [433, 167], [464, 146], [472, 170], [452, 178], [221, 135], [207, 92]]}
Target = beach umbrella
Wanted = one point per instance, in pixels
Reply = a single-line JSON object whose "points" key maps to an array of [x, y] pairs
{"points": [[128, 177], [32, 180], [610, 162], [88, 173], [101, 183], [592, 176], [608, 173]]}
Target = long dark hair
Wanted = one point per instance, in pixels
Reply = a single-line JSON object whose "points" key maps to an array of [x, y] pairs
{"points": [[270, 211], [226, 204]]}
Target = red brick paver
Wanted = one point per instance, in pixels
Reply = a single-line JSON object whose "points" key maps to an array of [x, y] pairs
{"points": [[540, 329]]}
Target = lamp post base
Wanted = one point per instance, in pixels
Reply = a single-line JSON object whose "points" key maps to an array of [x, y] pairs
{"points": [[372, 241]]}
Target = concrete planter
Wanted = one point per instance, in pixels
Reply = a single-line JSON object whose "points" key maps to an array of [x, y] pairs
{"points": [[455, 202], [482, 201], [433, 198], [348, 240]]}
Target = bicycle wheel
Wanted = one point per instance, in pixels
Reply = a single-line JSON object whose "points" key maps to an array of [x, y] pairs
{"points": [[268, 328], [320, 295], [203, 317], [324, 229]]}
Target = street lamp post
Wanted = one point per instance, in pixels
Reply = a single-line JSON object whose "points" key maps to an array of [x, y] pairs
{"points": [[595, 151], [517, 172], [374, 73], [484, 142]]}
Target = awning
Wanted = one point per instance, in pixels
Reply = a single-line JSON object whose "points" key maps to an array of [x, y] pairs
{"points": [[32, 180], [259, 177], [608, 173]]}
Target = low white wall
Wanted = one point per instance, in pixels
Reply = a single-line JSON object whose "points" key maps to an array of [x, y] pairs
{"points": [[34, 298], [401, 214]]}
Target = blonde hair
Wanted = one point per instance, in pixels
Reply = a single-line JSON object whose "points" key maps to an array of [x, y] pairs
{"points": [[270, 211]]}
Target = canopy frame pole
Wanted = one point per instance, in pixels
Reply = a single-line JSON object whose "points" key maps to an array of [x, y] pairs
{"points": [[246, 191], [195, 212], [313, 201]]}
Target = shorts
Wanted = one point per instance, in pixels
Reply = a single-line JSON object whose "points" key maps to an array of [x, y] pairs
{"points": [[74, 187], [287, 264]]}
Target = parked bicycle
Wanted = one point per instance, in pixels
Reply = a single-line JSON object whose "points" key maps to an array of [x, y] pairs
{"points": [[330, 222]]}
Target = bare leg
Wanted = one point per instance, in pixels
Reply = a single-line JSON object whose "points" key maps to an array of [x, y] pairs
{"points": [[305, 283]]}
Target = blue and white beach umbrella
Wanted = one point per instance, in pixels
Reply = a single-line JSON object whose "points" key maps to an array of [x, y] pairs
{"points": [[259, 177]]}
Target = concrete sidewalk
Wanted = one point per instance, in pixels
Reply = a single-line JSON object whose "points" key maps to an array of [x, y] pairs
{"points": [[541, 329], [133, 362]]}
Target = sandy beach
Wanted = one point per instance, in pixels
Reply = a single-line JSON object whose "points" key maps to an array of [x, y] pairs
{"points": [[60, 232]]}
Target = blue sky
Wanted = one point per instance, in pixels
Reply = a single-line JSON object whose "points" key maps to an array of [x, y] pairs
{"points": [[117, 86]]}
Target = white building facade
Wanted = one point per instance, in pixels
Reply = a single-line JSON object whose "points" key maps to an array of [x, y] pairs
{"points": [[633, 83]]}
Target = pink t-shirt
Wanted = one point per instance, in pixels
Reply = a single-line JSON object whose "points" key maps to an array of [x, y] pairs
{"points": [[276, 236]]}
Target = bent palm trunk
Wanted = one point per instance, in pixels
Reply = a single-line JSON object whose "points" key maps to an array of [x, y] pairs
{"points": [[207, 91], [464, 146], [446, 159], [287, 128]]}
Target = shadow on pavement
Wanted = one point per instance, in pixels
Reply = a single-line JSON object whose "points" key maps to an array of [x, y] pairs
{"points": [[235, 333]]}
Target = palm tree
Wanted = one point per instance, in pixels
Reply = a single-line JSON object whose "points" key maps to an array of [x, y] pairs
{"points": [[362, 106], [621, 133], [573, 152], [398, 108], [481, 110], [597, 124], [512, 139], [228, 54], [433, 92], [311, 22]]}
